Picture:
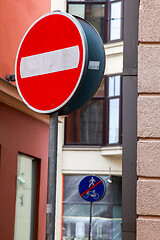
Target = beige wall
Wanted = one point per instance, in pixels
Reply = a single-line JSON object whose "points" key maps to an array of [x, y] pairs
{"points": [[114, 58], [58, 5], [148, 155]]}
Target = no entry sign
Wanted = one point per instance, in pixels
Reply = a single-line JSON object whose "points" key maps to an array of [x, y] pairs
{"points": [[60, 63], [50, 62]]}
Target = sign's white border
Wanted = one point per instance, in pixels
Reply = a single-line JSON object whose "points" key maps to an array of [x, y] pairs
{"points": [[84, 60]]}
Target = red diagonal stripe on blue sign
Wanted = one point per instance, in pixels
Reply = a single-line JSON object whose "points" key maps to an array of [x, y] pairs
{"points": [[91, 188]]}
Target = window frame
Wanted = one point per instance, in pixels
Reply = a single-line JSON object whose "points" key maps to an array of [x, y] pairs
{"points": [[110, 201], [105, 118], [108, 110], [109, 22], [107, 16]]}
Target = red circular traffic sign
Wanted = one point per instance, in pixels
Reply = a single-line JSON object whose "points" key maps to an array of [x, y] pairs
{"points": [[50, 62]]}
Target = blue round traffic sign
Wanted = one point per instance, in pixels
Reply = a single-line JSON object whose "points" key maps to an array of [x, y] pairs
{"points": [[92, 188]]}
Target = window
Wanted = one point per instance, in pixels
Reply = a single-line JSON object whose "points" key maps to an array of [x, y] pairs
{"points": [[98, 122], [106, 221], [105, 15]]}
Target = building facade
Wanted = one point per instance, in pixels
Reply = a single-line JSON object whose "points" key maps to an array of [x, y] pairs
{"points": [[141, 102], [148, 152], [23, 168], [23, 135]]}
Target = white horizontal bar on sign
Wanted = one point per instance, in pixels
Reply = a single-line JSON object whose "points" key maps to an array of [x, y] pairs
{"points": [[49, 62]]}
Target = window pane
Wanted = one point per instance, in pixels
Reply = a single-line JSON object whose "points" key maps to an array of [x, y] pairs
{"points": [[115, 24], [85, 125], [81, 210], [114, 86], [87, 0], [116, 191], [94, 13], [112, 0], [71, 184], [71, 194], [101, 210], [117, 85], [117, 226], [111, 86], [101, 228], [77, 9], [113, 121], [91, 122], [106, 216], [76, 1]]}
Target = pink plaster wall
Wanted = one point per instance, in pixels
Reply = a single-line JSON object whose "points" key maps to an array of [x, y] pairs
{"points": [[19, 132], [15, 18], [24, 134]]}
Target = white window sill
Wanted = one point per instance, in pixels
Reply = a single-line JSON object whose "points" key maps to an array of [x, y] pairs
{"points": [[105, 151], [111, 151], [114, 48]]}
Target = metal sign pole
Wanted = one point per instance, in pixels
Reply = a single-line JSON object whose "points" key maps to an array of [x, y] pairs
{"points": [[90, 221], [52, 173], [92, 189]]}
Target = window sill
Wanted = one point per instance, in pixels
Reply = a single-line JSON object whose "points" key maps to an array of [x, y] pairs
{"points": [[114, 48], [81, 148], [105, 151], [111, 151]]}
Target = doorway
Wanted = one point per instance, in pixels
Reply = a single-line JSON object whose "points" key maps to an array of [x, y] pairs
{"points": [[25, 216]]}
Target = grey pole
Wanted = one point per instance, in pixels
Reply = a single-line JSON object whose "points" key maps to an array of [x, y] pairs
{"points": [[90, 221], [52, 173]]}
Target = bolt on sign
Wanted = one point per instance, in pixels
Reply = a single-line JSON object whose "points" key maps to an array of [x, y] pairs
{"points": [[60, 63]]}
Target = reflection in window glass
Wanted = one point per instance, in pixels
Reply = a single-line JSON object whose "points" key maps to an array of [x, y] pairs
{"points": [[117, 85], [113, 120], [111, 86], [115, 27], [77, 10], [106, 221], [105, 15], [94, 13], [85, 125], [91, 122], [97, 122], [86, 0]]}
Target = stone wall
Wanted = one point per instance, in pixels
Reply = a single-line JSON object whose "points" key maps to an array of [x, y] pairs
{"points": [[148, 153]]}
